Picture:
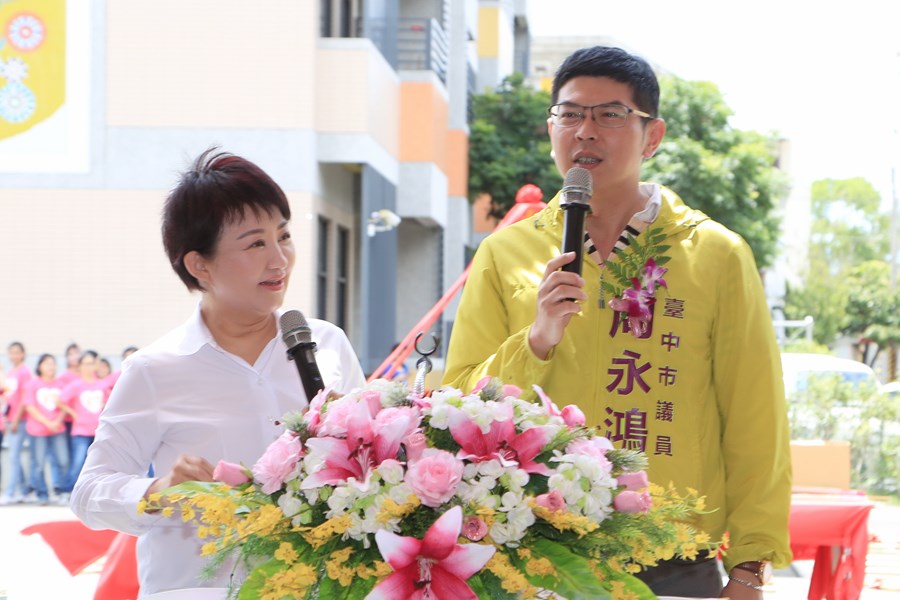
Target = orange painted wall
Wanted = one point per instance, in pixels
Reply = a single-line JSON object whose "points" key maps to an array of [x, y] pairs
{"points": [[457, 163], [423, 124]]}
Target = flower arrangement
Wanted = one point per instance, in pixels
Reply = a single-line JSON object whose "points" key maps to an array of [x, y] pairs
{"points": [[381, 494], [638, 273]]}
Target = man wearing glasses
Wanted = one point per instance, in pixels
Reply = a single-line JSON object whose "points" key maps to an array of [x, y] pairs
{"points": [[664, 341]]}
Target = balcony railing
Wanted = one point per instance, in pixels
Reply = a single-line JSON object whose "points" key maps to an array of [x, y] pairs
{"points": [[422, 46]]}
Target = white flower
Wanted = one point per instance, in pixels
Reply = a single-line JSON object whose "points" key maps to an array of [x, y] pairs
{"points": [[440, 415], [391, 471], [514, 479], [491, 468], [509, 501], [500, 532], [520, 519], [341, 499], [289, 504]]}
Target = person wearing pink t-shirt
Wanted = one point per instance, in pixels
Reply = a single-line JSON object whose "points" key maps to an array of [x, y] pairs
{"points": [[73, 355], [116, 374], [86, 397], [44, 422], [72, 373], [14, 385]]}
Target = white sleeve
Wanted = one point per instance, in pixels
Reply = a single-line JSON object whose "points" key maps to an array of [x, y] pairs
{"points": [[114, 477]]}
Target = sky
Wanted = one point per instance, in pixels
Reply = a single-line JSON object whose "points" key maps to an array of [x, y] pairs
{"points": [[825, 75]]}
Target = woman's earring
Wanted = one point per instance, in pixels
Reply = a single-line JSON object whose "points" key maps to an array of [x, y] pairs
{"points": [[553, 154]]}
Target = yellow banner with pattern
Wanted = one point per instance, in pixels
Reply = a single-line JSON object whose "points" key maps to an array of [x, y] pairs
{"points": [[32, 63]]}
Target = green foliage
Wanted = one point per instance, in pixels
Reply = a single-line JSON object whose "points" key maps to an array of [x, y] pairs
{"points": [[729, 174], [847, 227], [847, 287], [872, 309], [508, 144], [824, 298], [631, 262], [574, 580], [806, 347]]}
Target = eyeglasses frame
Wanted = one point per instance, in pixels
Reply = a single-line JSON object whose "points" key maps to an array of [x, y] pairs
{"points": [[584, 109]]}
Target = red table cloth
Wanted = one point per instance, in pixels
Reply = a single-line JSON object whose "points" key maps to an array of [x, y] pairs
{"points": [[833, 530]]}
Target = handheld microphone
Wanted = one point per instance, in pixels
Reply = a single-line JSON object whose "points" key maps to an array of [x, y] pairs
{"points": [[576, 201], [301, 349]]}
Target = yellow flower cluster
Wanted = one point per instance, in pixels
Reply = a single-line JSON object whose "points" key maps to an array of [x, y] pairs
{"points": [[336, 568], [391, 511], [317, 536], [564, 520], [510, 577], [293, 582]]}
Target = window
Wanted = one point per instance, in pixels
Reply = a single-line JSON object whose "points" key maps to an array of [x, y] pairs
{"points": [[342, 284], [322, 269]]}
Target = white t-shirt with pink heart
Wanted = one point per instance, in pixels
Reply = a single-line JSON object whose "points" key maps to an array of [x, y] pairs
{"points": [[45, 396], [87, 399]]}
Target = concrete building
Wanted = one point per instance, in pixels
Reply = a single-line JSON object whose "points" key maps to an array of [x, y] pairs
{"points": [[355, 107]]}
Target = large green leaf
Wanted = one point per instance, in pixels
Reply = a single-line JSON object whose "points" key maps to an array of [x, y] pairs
{"points": [[576, 580]]}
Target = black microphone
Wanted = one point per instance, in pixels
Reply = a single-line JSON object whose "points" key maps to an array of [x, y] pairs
{"points": [[301, 349], [576, 201]]}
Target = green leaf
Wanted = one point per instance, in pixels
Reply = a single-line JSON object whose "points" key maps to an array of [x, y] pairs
{"points": [[576, 580], [253, 586], [630, 582], [492, 586]]}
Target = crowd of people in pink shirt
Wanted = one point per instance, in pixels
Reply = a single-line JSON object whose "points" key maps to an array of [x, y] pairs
{"points": [[53, 414]]}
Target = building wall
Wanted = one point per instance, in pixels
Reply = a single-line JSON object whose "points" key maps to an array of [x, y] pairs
{"points": [[163, 84], [83, 250]]}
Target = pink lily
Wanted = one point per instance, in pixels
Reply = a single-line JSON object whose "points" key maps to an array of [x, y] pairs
{"points": [[571, 415], [636, 304], [313, 414], [500, 442], [361, 451], [653, 275], [435, 567]]}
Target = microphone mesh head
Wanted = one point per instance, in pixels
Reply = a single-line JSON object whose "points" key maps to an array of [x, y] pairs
{"points": [[576, 177], [292, 324]]}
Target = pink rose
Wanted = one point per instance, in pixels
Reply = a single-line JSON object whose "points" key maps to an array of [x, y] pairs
{"points": [[573, 416], [230, 473], [632, 502], [415, 444], [392, 414], [474, 529], [633, 481], [278, 462], [554, 501], [435, 476]]}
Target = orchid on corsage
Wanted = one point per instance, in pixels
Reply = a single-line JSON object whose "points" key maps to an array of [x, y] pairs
{"points": [[639, 272], [382, 494]]}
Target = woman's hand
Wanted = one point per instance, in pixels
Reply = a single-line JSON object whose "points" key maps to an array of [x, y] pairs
{"points": [[559, 297], [187, 468]]}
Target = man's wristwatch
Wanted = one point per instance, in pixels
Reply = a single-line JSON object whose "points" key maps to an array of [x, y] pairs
{"points": [[761, 568]]}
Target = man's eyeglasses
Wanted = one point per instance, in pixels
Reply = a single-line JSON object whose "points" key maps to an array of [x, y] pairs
{"points": [[604, 115]]}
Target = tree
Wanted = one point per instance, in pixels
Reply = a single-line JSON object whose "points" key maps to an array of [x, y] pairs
{"points": [[508, 144], [847, 227], [847, 284], [729, 174], [873, 309]]}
